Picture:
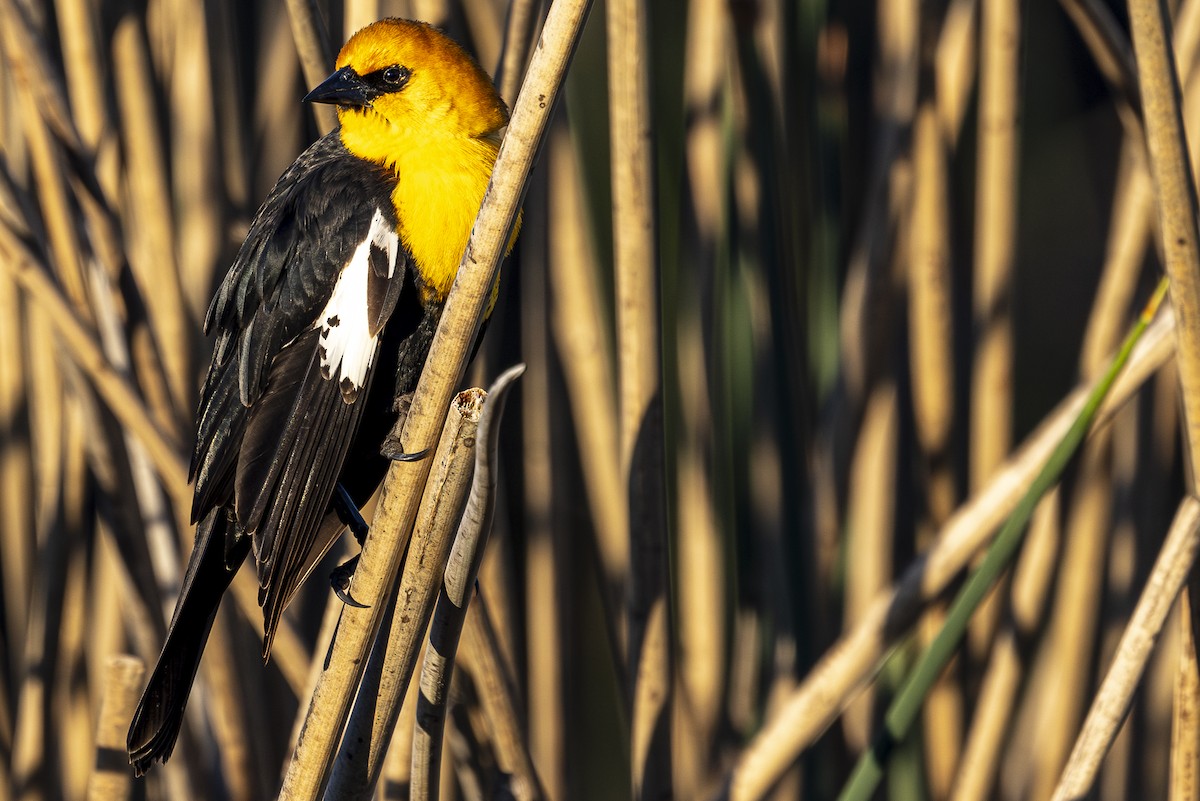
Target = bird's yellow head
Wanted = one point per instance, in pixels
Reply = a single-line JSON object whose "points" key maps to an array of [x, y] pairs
{"points": [[412, 99], [401, 83]]}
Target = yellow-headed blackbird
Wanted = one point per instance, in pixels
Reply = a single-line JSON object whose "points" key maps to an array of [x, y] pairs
{"points": [[342, 276]]}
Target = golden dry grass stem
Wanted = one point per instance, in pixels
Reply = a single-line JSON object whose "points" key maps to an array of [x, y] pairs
{"points": [[954, 66], [394, 656], [83, 69], [379, 562], [316, 54], [80, 344], [518, 36], [1128, 236], [995, 238], [1112, 701], [1006, 667], [639, 372], [16, 463], [55, 205], [457, 589], [152, 240], [700, 575], [110, 779], [480, 656], [397, 767], [929, 289], [380, 559], [578, 327], [870, 523], [194, 152], [1176, 201], [844, 667], [1073, 620], [546, 614], [1185, 718], [357, 14]]}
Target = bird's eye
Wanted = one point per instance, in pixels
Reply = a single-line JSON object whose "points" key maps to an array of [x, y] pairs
{"points": [[395, 75]]}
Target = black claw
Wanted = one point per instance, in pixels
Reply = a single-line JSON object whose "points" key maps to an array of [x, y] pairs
{"points": [[400, 456], [348, 600], [339, 579]]}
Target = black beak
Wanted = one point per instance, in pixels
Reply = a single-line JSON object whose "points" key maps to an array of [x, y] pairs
{"points": [[344, 87]]}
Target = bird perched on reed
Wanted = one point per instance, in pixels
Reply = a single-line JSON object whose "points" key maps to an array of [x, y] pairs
{"points": [[325, 317]]}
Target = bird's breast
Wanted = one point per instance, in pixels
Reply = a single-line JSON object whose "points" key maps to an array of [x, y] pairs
{"points": [[439, 189]]}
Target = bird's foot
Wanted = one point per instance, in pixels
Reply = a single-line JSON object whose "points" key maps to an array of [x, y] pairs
{"points": [[339, 579], [392, 447]]}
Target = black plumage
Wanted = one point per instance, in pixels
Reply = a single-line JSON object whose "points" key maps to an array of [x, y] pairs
{"points": [[277, 428]]}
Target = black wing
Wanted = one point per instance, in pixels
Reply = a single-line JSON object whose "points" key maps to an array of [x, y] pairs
{"points": [[297, 323]]}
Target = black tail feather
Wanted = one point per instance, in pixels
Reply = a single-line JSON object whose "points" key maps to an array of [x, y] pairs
{"points": [[159, 714]]}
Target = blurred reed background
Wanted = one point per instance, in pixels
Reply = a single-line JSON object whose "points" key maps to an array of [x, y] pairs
{"points": [[891, 239]]}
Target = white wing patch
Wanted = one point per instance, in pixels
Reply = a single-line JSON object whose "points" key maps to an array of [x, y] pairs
{"points": [[347, 347]]}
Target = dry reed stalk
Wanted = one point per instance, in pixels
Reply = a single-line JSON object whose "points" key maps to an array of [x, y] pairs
{"points": [[1176, 196], [930, 335], [1140, 755], [496, 577], [578, 327], [1129, 233], [316, 53], [701, 575], [995, 239], [1006, 669], [16, 466], [111, 779], [380, 560], [518, 36], [485, 24], [435, 12], [1111, 703], [954, 67], [70, 719], [106, 627], [1072, 627], [373, 719], [325, 634], [28, 765], [704, 82], [841, 671], [456, 589], [870, 526], [640, 432], [1131, 219], [357, 14], [930, 320], [482, 659], [23, 60], [194, 158], [152, 240], [397, 767], [80, 344], [991, 391], [1185, 725], [546, 565], [83, 69]]}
